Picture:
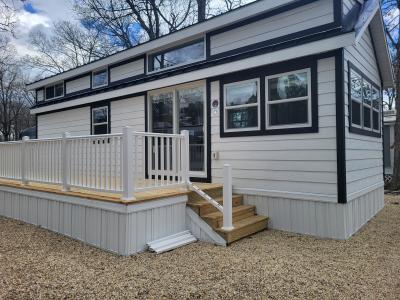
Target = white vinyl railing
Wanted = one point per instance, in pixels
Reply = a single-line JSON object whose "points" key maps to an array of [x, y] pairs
{"points": [[121, 163]]}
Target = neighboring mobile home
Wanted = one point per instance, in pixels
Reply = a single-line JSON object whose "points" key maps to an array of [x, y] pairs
{"points": [[287, 92], [389, 120]]}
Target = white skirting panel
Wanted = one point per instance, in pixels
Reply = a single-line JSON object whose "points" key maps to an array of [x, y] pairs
{"points": [[114, 227], [321, 219]]}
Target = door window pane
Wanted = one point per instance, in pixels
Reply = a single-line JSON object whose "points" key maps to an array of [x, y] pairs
{"points": [[162, 113], [191, 118]]}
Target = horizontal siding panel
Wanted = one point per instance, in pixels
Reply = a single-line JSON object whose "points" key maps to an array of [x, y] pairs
{"points": [[128, 112], [296, 163], [295, 20], [77, 85], [127, 70]]}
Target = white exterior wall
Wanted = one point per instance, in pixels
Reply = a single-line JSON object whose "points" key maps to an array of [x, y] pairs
{"points": [[113, 227], [302, 18], [127, 70], [76, 85], [347, 5], [128, 112], [75, 121], [364, 155], [322, 219], [299, 166]]}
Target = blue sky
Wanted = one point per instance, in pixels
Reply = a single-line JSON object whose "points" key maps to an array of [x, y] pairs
{"points": [[35, 14]]}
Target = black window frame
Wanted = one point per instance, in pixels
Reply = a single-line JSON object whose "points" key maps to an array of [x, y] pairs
{"points": [[262, 73], [98, 106], [151, 56], [354, 128], [94, 72], [53, 86]]}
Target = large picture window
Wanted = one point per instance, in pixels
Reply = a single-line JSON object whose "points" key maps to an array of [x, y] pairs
{"points": [[365, 104], [100, 120], [288, 100], [185, 54], [242, 105]]}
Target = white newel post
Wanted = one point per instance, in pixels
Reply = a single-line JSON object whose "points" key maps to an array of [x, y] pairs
{"points": [[185, 156], [227, 194], [128, 171], [24, 160], [65, 161]]}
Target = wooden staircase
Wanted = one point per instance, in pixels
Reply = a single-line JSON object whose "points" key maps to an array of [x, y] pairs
{"points": [[245, 220]]}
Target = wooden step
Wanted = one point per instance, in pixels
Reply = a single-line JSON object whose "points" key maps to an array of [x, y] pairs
{"points": [[203, 207], [215, 219], [244, 228]]}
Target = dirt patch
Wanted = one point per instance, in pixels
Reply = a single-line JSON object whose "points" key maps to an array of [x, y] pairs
{"points": [[36, 263]]}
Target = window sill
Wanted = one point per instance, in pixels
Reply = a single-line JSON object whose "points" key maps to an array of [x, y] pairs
{"points": [[283, 131], [361, 131]]}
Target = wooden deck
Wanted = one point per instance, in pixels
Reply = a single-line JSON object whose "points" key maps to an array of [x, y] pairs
{"points": [[108, 197]]}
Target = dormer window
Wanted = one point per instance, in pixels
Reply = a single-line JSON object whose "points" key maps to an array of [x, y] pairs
{"points": [[54, 91], [99, 78], [181, 55]]}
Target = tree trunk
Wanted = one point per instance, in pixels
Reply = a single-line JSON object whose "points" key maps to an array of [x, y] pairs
{"points": [[201, 10], [395, 184]]}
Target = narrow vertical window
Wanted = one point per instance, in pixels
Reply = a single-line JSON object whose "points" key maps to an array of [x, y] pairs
{"points": [[356, 98], [100, 120]]}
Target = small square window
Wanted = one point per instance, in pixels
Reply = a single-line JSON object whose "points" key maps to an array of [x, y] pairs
{"points": [[100, 78]]}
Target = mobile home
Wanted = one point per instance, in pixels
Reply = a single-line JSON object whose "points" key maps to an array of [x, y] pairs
{"points": [[288, 93]]}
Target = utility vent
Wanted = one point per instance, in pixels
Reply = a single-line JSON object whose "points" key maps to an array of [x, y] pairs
{"points": [[172, 242]]}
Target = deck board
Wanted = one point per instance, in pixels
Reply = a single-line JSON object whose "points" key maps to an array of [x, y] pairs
{"points": [[103, 196]]}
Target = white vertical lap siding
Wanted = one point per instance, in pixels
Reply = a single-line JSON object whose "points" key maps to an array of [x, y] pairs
{"points": [[127, 70], [326, 220], [76, 85], [107, 226], [290, 163], [74, 121], [364, 156], [302, 18]]}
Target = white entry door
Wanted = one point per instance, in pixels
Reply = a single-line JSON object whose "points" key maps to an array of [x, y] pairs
{"points": [[178, 108]]}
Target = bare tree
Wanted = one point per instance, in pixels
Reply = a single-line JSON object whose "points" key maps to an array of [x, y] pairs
{"points": [[8, 17], [67, 47], [15, 100], [390, 9], [390, 99]]}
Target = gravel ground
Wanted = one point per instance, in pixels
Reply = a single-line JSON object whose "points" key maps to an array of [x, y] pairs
{"points": [[36, 263]]}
